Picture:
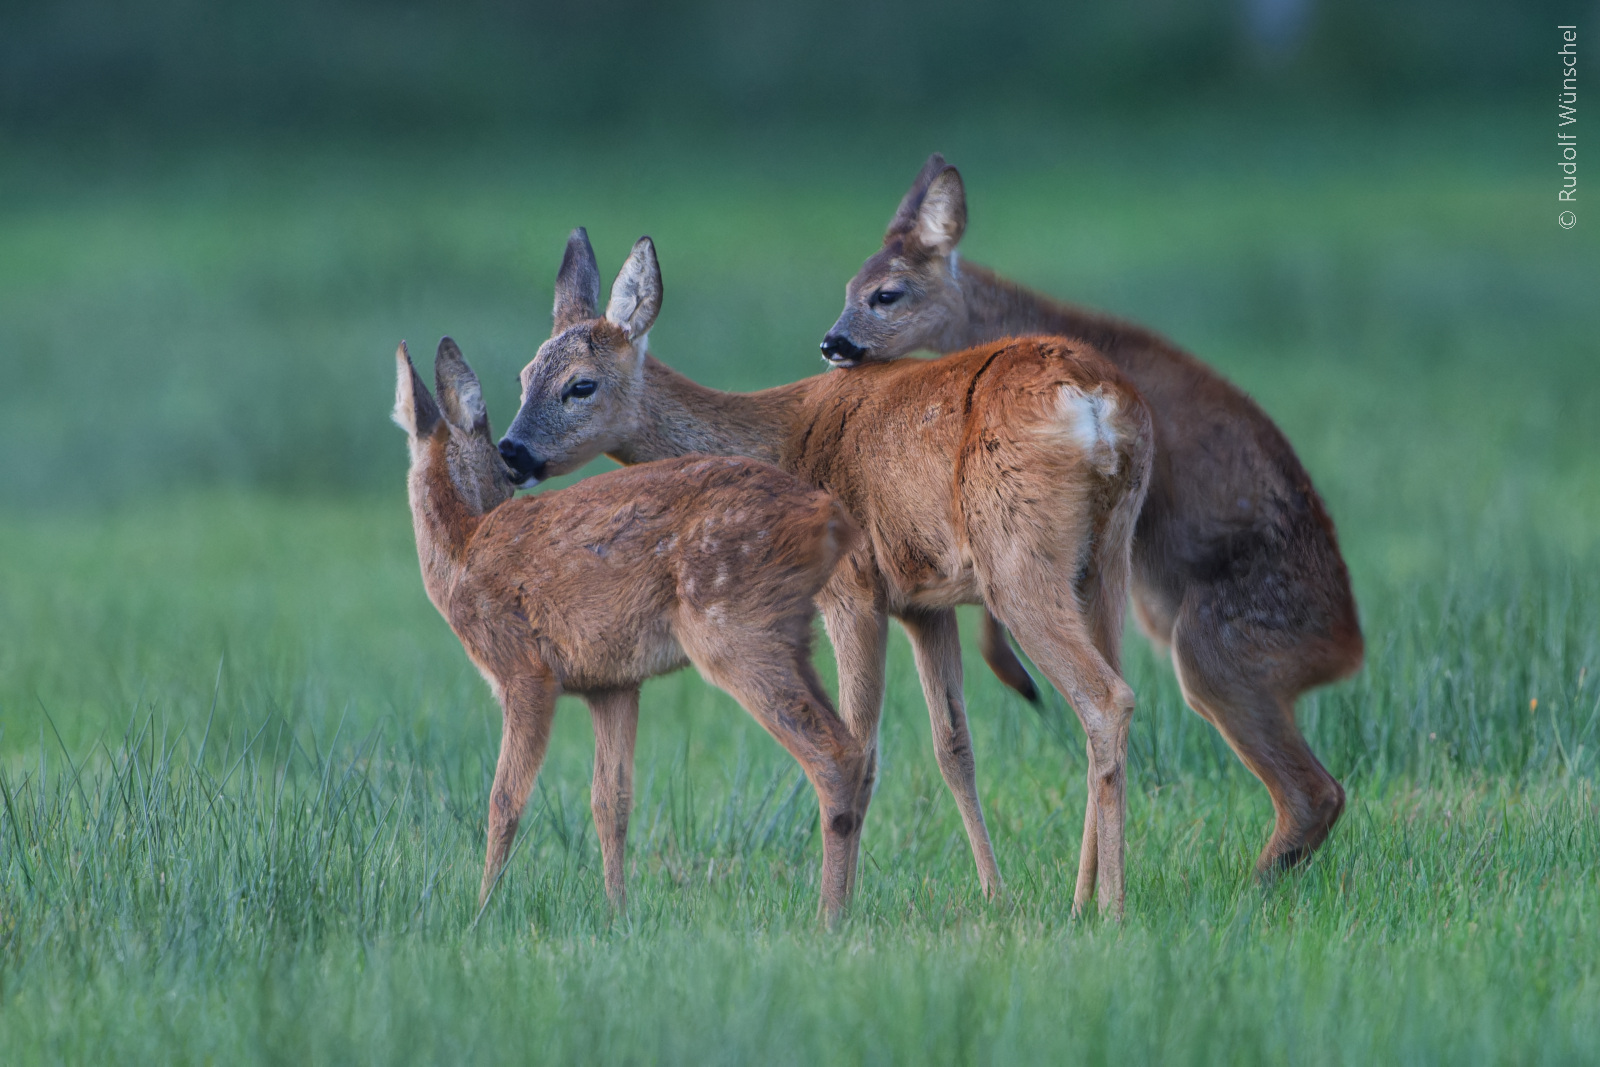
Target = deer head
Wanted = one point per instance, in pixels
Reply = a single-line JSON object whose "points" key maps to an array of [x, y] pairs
{"points": [[582, 389], [452, 431], [908, 294]]}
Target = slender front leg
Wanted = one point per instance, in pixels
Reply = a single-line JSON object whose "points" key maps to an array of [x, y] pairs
{"points": [[936, 644], [616, 724], [528, 703]]}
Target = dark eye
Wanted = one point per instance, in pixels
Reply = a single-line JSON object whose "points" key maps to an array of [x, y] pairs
{"points": [[885, 297], [579, 389]]}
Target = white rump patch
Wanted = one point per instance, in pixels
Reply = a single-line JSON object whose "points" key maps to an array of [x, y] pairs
{"points": [[1086, 418]]}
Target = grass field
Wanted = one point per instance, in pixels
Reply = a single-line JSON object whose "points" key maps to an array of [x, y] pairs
{"points": [[245, 764]]}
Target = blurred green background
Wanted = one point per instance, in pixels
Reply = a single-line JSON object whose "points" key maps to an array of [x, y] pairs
{"points": [[183, 65], [218, 670], [215, 215]]}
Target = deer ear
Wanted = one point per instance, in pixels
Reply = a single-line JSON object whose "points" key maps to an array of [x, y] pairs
{"points": [[577, 283], [636, 294], [414, 410], [942, 217], [905, 217], [460, 395]]}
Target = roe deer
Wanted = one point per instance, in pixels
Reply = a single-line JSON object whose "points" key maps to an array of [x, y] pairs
{"points": [[1009, 475], [591, 590], [1236, 567]]}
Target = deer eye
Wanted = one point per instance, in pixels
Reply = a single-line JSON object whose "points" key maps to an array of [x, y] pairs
{"points": [[579, 389], [885, 297]]}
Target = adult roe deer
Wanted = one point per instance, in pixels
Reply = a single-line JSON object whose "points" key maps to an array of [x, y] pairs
{"points": [[590, 590], [1236, 566], [1009, 475]]}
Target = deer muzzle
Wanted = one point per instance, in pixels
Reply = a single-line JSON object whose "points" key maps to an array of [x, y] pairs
{"points": [[839, 350], [526, 469]]}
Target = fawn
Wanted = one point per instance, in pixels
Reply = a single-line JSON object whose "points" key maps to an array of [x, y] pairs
{"points": [[1008, 475], [1236, 566], [591, 590]]}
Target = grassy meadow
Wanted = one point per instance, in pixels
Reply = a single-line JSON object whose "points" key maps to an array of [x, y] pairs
{"points": [[245, 764]]}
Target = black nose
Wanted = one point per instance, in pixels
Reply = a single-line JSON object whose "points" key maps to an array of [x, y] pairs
{"points": [[840, 350], [524, 467]]}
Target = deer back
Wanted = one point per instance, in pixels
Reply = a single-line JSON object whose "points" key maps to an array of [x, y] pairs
{"points": [[911, 447], [598, 581]]}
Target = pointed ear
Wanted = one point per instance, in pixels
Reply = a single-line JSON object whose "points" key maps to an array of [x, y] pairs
{"points": [[942, 218], [905, 217], [577, 283], [636, 294], [460, 395], [414, 409]]}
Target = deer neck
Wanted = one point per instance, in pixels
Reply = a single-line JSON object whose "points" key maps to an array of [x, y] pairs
{"points": [[999, 308], [443, 519], [678, 416]]}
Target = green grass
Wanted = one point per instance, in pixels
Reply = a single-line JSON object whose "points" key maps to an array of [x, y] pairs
{"points": [[245, 763]]}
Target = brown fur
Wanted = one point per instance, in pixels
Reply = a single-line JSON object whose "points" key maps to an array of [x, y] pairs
{"points": [[1008, 475], [1236, 566], [706, 560]]}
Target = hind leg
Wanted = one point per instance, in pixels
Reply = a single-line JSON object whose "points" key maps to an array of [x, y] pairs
{"points": [[937, 646], [773, 680], [1089, 850], [1155, 617], [1045, 617], [1247, 690]]}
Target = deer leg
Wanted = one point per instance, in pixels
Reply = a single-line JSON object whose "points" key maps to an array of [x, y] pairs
{"points": [[776, 684], [1104, 704], [616, 724], [1047, 622], [1111, 705], [936, 643], [1089, 851], [858, 629], [1236, 690], [1155, 619], [527, 705], [1003, 661], [859, 633]]}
